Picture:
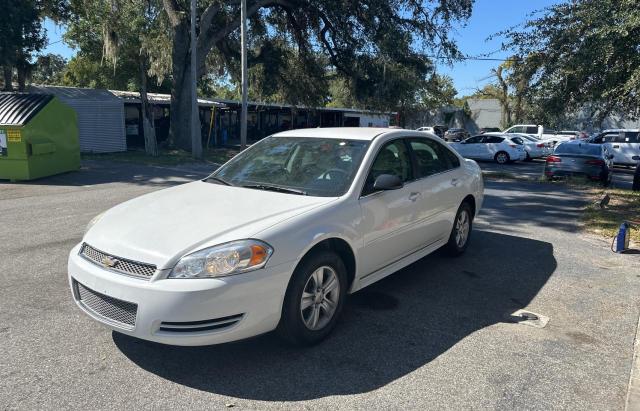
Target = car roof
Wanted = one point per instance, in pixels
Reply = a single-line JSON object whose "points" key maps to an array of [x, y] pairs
{"points": [[347, 133], [618, 130]]}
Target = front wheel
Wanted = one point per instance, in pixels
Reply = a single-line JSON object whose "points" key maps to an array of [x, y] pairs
{"points": [[502, 157], [461, 231], [314, 299]]}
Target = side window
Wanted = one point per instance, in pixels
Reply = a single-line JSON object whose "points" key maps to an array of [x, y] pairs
{"points": [[608, 138], [531, 130], [633, 136], [493, 139], [392, 159], [516, 129], [432, 157], [474, 139]]}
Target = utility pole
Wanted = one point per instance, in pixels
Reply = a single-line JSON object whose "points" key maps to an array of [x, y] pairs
{"points": [[196, 139], [243, 46]]}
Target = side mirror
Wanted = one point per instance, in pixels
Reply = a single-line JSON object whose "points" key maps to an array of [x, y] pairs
{"points": [[387, 182], [635, 158]]}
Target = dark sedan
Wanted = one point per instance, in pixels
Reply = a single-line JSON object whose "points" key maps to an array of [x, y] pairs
{"points": [[456, 134], [580, 159]]}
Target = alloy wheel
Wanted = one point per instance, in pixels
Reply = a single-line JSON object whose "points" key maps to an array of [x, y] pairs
{"points": [[462, 228], [320, 298]]}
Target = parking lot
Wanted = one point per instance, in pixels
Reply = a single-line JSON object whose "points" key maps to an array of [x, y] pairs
{"points": [[439, 334], [534, 170]]}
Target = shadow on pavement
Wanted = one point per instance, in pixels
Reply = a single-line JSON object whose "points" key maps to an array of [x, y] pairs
{"points": [[510, 204], [387, 331], [97, 172]]}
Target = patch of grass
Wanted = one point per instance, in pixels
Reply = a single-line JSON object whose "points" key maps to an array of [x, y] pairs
{"points": [[623, 205], [166, 157]]}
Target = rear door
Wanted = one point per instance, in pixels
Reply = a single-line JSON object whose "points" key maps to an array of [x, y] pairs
{"points": [[492, 144], [624, 146], [439, 181]]}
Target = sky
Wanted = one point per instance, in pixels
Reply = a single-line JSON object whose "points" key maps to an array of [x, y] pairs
{"points": [[488, 17]]}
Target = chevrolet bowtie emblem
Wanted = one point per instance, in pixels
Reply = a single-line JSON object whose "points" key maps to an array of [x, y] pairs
{"points": [[109, 262]]}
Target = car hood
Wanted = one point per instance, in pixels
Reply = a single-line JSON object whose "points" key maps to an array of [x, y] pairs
{"points": [[160, 227]]}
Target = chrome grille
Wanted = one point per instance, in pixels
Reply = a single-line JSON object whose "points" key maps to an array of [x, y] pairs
{"points": [[111, 309], [120, 265]]}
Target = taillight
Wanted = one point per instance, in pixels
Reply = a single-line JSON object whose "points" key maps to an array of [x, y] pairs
{"points": [[554, 159], [595, 162], [513, 145], [540, 145]]}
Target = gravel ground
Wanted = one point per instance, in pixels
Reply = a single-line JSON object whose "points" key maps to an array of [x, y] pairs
{"points": [[436, 335]]}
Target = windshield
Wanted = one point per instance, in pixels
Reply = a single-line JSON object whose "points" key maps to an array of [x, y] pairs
{"points": [[322, 167], [580, 148]]}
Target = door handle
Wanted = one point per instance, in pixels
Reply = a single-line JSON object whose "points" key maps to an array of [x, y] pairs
{"points": [[414, 196], [455, 182], [616, 146]]}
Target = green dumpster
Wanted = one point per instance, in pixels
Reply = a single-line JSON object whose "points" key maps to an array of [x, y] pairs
{"points": [[38, 136]]}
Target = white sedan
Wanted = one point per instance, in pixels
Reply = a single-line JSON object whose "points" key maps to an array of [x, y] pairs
{"points": [[276, 238], [495, 146], [534, 147]]}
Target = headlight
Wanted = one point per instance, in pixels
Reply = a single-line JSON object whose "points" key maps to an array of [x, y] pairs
{"points": [[222, 260], [93, 221]]}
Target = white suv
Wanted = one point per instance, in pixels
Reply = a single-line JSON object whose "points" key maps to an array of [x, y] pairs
{"points": [[498, 147]]}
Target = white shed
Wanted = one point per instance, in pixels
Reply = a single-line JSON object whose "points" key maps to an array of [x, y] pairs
{"points": [[100, 117]]}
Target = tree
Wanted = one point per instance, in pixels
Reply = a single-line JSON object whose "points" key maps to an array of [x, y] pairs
{"points": [[116, 33], [49, 69], [577, 54], [20, 37], [359, 39]]}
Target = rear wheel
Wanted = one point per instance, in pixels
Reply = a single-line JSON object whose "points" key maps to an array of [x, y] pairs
{"points": [[461, 231], [314, 299], [502, 157]]}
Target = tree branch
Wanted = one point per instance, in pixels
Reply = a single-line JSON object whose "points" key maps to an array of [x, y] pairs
{"points": [[171, 8]]}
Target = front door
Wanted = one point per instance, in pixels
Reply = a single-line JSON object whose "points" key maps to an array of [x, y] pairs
{"points": [[389, 217]]}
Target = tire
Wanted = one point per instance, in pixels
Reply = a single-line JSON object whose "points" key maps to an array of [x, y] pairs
{"points": [[528, 158], [502, 157], [455, 246], [297, 324]]}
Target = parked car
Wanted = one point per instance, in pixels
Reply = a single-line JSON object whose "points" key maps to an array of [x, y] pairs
{"points": [[490, 130], [498, 147], [456, 134], [544, 133], [535, 147], [437, 130], [622, 143], [569, 134], [275, 238], [578, 158]]}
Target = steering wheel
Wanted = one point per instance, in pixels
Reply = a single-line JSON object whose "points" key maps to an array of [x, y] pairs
{"points": [[330, 171]]}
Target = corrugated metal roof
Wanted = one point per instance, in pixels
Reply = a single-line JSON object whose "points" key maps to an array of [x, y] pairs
{"points": [[18, 108], [75, 93]]}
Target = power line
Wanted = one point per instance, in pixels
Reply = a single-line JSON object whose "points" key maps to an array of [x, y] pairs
{"points": [[476, 58]]}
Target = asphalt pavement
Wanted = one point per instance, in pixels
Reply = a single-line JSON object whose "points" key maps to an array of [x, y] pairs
{"points": [[534, 170], [439, 334]]}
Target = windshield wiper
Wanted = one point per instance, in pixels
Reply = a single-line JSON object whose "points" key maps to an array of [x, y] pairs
{"points": [[219, 180], [279, 189]]}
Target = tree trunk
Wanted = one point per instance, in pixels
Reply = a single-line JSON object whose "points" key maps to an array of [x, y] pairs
{"points": [[7, 72], [180, 127], [148, 128]]}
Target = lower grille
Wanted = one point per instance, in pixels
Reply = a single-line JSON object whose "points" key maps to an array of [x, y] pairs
{"points": [[205, 325], [112, 310]]}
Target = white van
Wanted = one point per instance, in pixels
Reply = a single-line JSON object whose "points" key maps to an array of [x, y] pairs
{"points": [[622, 143]]}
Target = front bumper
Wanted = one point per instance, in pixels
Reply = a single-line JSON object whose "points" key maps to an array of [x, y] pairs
{"points": [[176, 311]]}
